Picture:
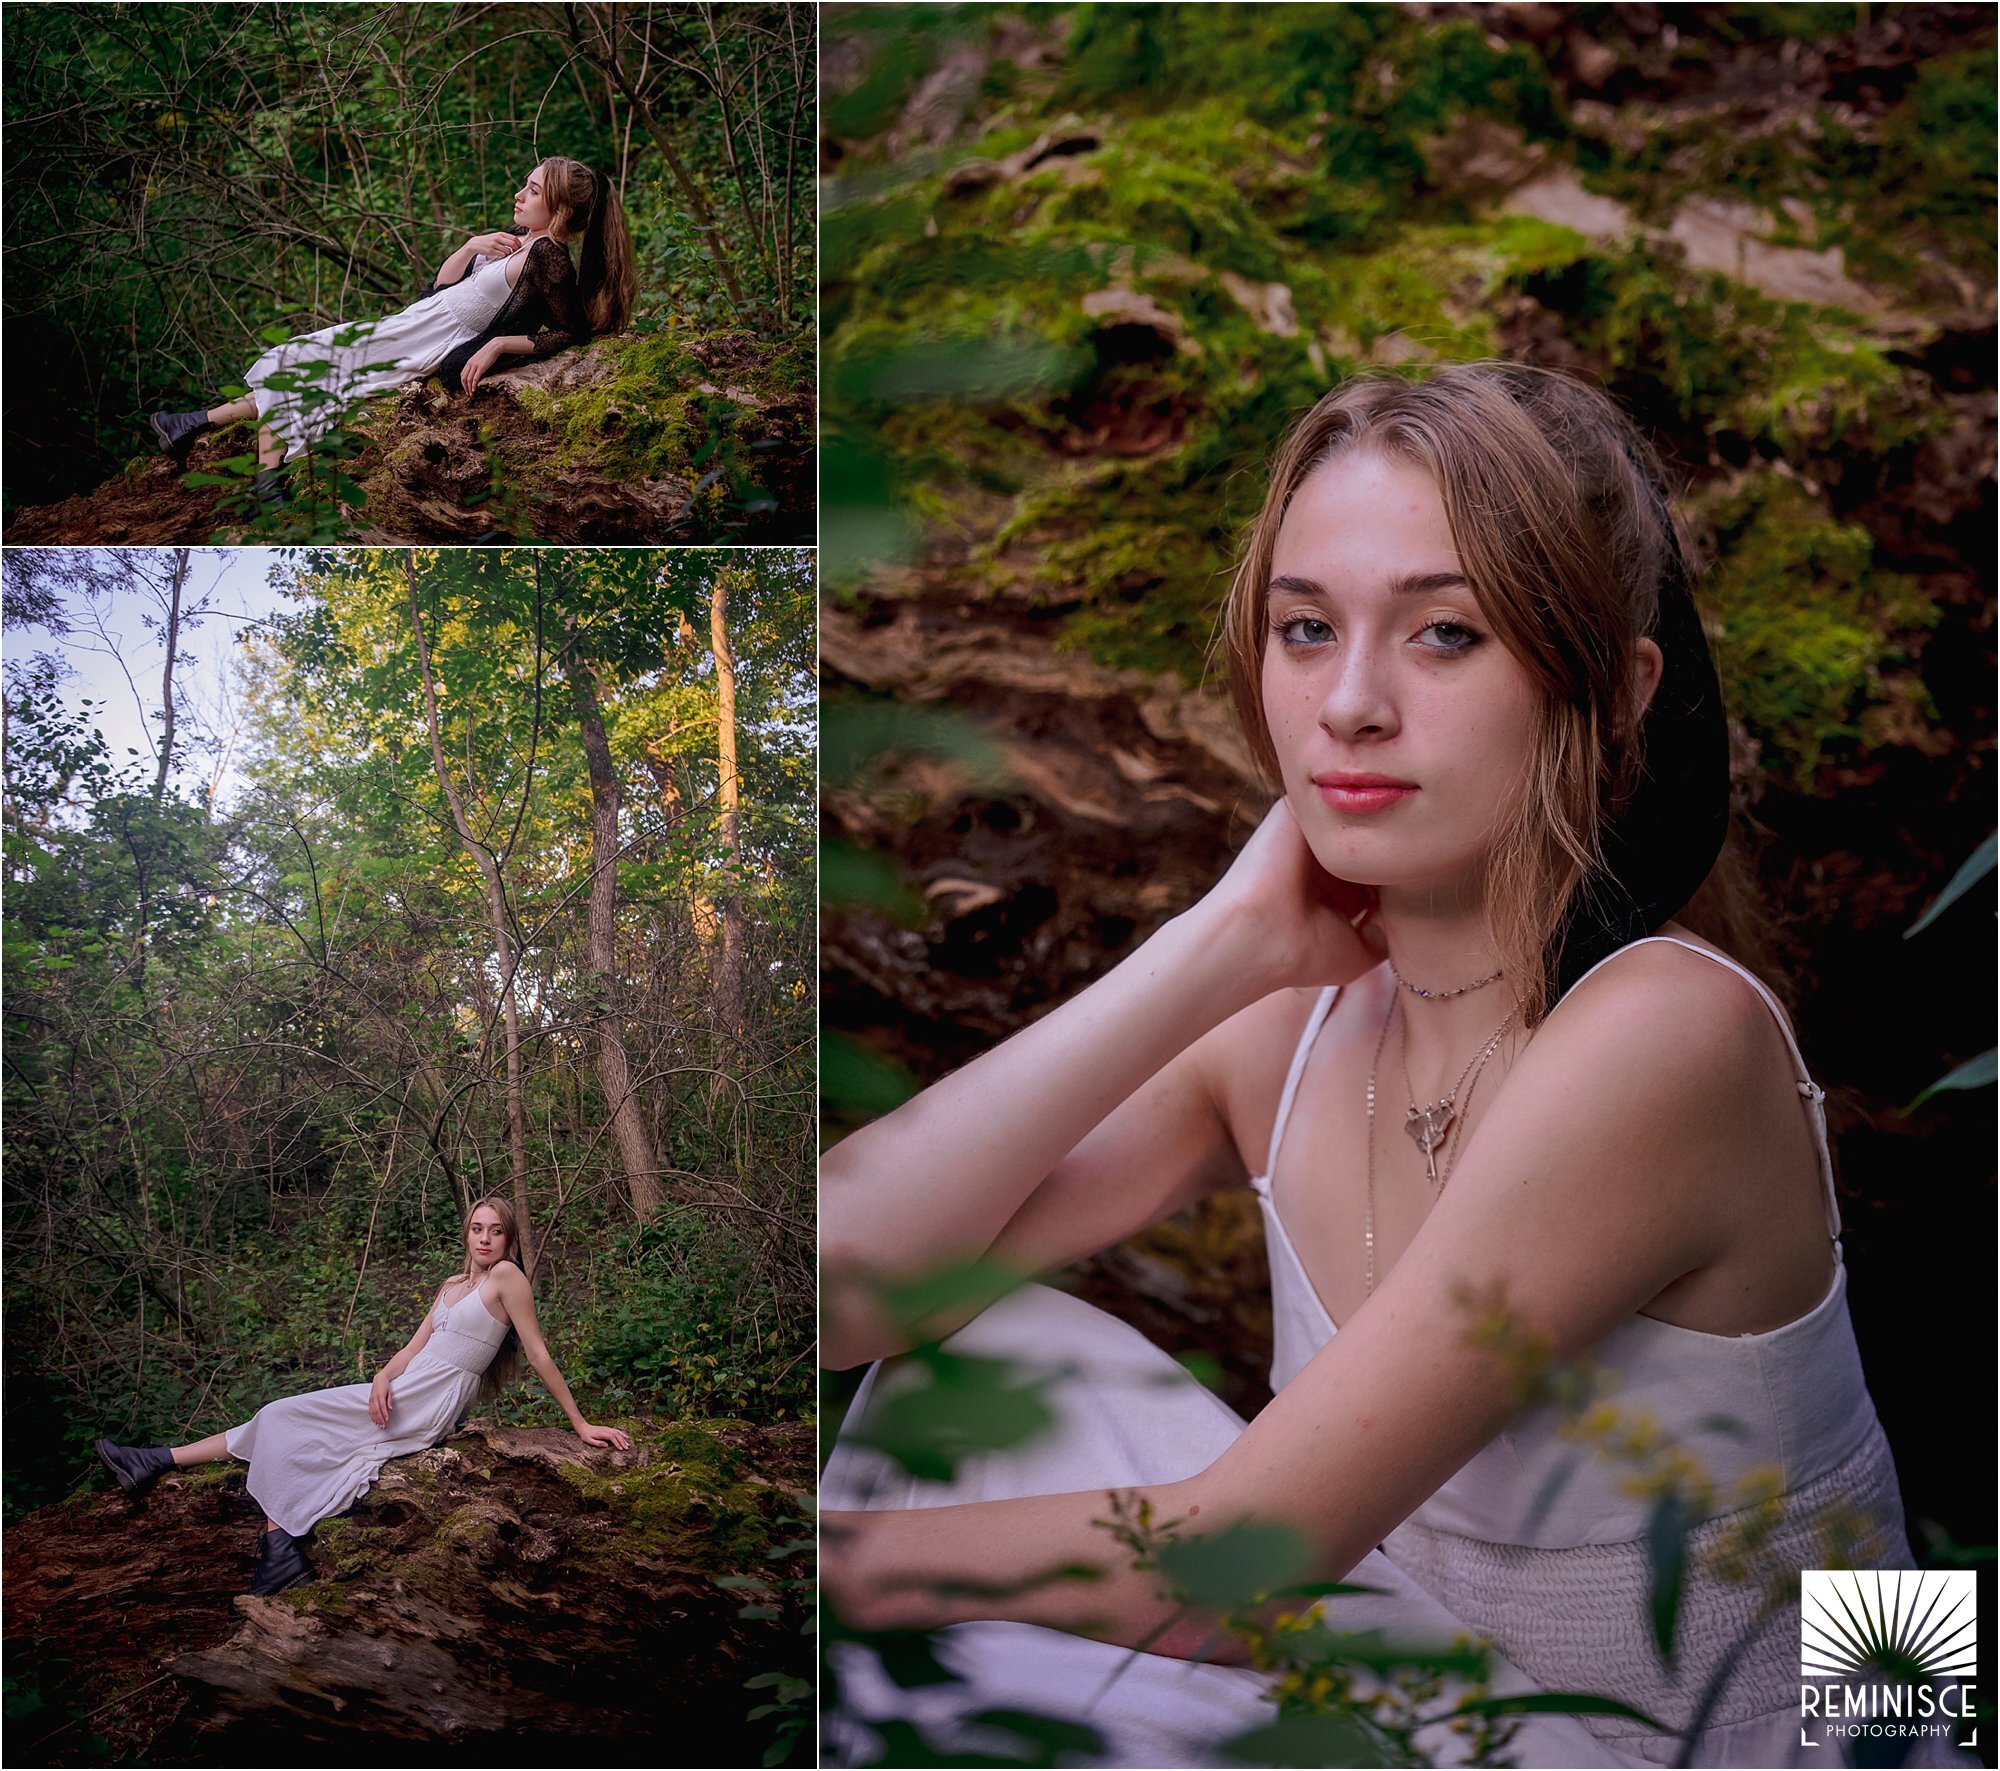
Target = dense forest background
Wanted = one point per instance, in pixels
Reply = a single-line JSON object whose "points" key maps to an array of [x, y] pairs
{"points": [[260, 1054], [1084, 264], [491, 873], [189, 183]]}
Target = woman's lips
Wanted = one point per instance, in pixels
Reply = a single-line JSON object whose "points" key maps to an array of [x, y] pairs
{"points": [[1362, 793]]}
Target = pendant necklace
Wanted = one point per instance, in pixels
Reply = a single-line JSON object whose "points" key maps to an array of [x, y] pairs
{"points": [[1463, 1095], [1430, 1126]]}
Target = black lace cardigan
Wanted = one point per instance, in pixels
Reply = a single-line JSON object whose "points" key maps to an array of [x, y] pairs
{"points": [[544, 305]]}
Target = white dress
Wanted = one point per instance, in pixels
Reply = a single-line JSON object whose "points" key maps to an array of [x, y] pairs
{"points": [[315, 1455], [320, 374], [1551, 1566]]}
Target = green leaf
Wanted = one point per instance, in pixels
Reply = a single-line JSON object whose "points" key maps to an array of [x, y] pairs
{"points": [[1053, 1734], [962, 1289], [1975, 868], [1308, 1740], [851, 876], [950, 1409], [1666, 1551], [856, 1080], [1561, 1703], [1973, 1073], [1229, 1569]]}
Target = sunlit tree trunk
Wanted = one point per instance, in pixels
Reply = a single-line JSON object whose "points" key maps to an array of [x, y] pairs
{"points": [[628, 1124], [729, 969], [503, 941]]}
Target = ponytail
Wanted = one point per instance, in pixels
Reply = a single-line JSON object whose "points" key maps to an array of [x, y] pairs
{"points": [[588, 202]]}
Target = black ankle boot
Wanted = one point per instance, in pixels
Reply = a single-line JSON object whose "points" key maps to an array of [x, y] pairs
{"points": [[137, 1467], [281, 1562], [270, 487], [175, 433]]}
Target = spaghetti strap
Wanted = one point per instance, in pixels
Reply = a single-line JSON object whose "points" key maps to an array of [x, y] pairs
{"points": [[1314, 1021], [1810, 1091]]}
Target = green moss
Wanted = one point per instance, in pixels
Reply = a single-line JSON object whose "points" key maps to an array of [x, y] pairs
{"points": [[691, 1503], [650, 417], [1807, 623]]}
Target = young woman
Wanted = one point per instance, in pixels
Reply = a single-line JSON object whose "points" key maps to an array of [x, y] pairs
{"points": [[499, 296], [1437, 1015], [315, 1455]]}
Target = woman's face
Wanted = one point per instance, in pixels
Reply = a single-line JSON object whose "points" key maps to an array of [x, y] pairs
{"points": [[485, 1237], [1401, 724], [531, 208]]}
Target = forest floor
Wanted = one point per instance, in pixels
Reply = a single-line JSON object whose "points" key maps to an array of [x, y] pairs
{"points": [[508, 1584], [646, 439]]}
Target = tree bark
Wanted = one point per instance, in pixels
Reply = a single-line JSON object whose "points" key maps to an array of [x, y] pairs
{"points": [[602, 50], [176, 582], [729, 969], [628, 1124], [503, 941]]}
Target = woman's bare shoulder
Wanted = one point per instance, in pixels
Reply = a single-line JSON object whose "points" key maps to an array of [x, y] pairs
{"points": [[1665, 1022]]}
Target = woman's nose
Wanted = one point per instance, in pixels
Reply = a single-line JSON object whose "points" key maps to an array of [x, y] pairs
{"points": [[1359, 700]]}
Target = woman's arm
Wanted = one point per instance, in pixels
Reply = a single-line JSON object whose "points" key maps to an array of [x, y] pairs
{"points": [[1028, 1151], [379, 1396], [494, 245], [544, 284], [1601, 1173], [510, 1285]]}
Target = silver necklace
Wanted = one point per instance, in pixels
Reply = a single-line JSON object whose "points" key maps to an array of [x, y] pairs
{"points": [[1430, 1126], [1444, 995], [1468, 1083]]}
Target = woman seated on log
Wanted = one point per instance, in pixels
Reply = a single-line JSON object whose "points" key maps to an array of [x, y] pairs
{"points": [[315, 1455], [1465, 649], [501, 295]]}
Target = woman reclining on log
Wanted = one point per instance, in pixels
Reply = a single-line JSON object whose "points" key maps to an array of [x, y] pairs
{"points": [[315, 1455], [507, 294]]}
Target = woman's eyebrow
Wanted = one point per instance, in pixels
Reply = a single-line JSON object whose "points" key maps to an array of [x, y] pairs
{"points": [[1403, 584]]}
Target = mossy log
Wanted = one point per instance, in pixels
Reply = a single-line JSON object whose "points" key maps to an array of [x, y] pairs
{"points": [[509, 1591], [649, 439]]}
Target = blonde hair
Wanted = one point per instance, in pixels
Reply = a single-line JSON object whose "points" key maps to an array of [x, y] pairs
{"points": [[506, 1366], [1565, 537]]}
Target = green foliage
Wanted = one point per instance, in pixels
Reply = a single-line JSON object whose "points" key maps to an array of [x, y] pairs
{"points": [[256, 1061], [194, 199], [689, 1333]]}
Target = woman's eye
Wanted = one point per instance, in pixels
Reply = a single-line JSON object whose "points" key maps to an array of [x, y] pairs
{"points": [[1304, 630], [1449, 636]]}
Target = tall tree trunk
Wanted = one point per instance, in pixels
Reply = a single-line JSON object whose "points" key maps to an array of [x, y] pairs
{"points": [[628, 1124], [503, 941], [176, 583], [729, 971]]}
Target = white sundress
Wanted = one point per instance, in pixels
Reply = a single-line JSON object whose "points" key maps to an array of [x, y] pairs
{"points": [[315, 1455], [1563, 1596], [367, 357]]}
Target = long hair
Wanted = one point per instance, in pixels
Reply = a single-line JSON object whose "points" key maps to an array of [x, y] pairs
{"points": [[1557, 508], [585, 205], [506, 1366]]}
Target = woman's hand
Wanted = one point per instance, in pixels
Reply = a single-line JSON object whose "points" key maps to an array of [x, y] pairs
{"points": [[497, 245], [1310, 927], [604, 1436], [481, 361], [380, 1400]]}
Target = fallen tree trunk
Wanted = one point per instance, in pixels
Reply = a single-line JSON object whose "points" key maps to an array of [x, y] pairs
{"points": [[511, 1591]]}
